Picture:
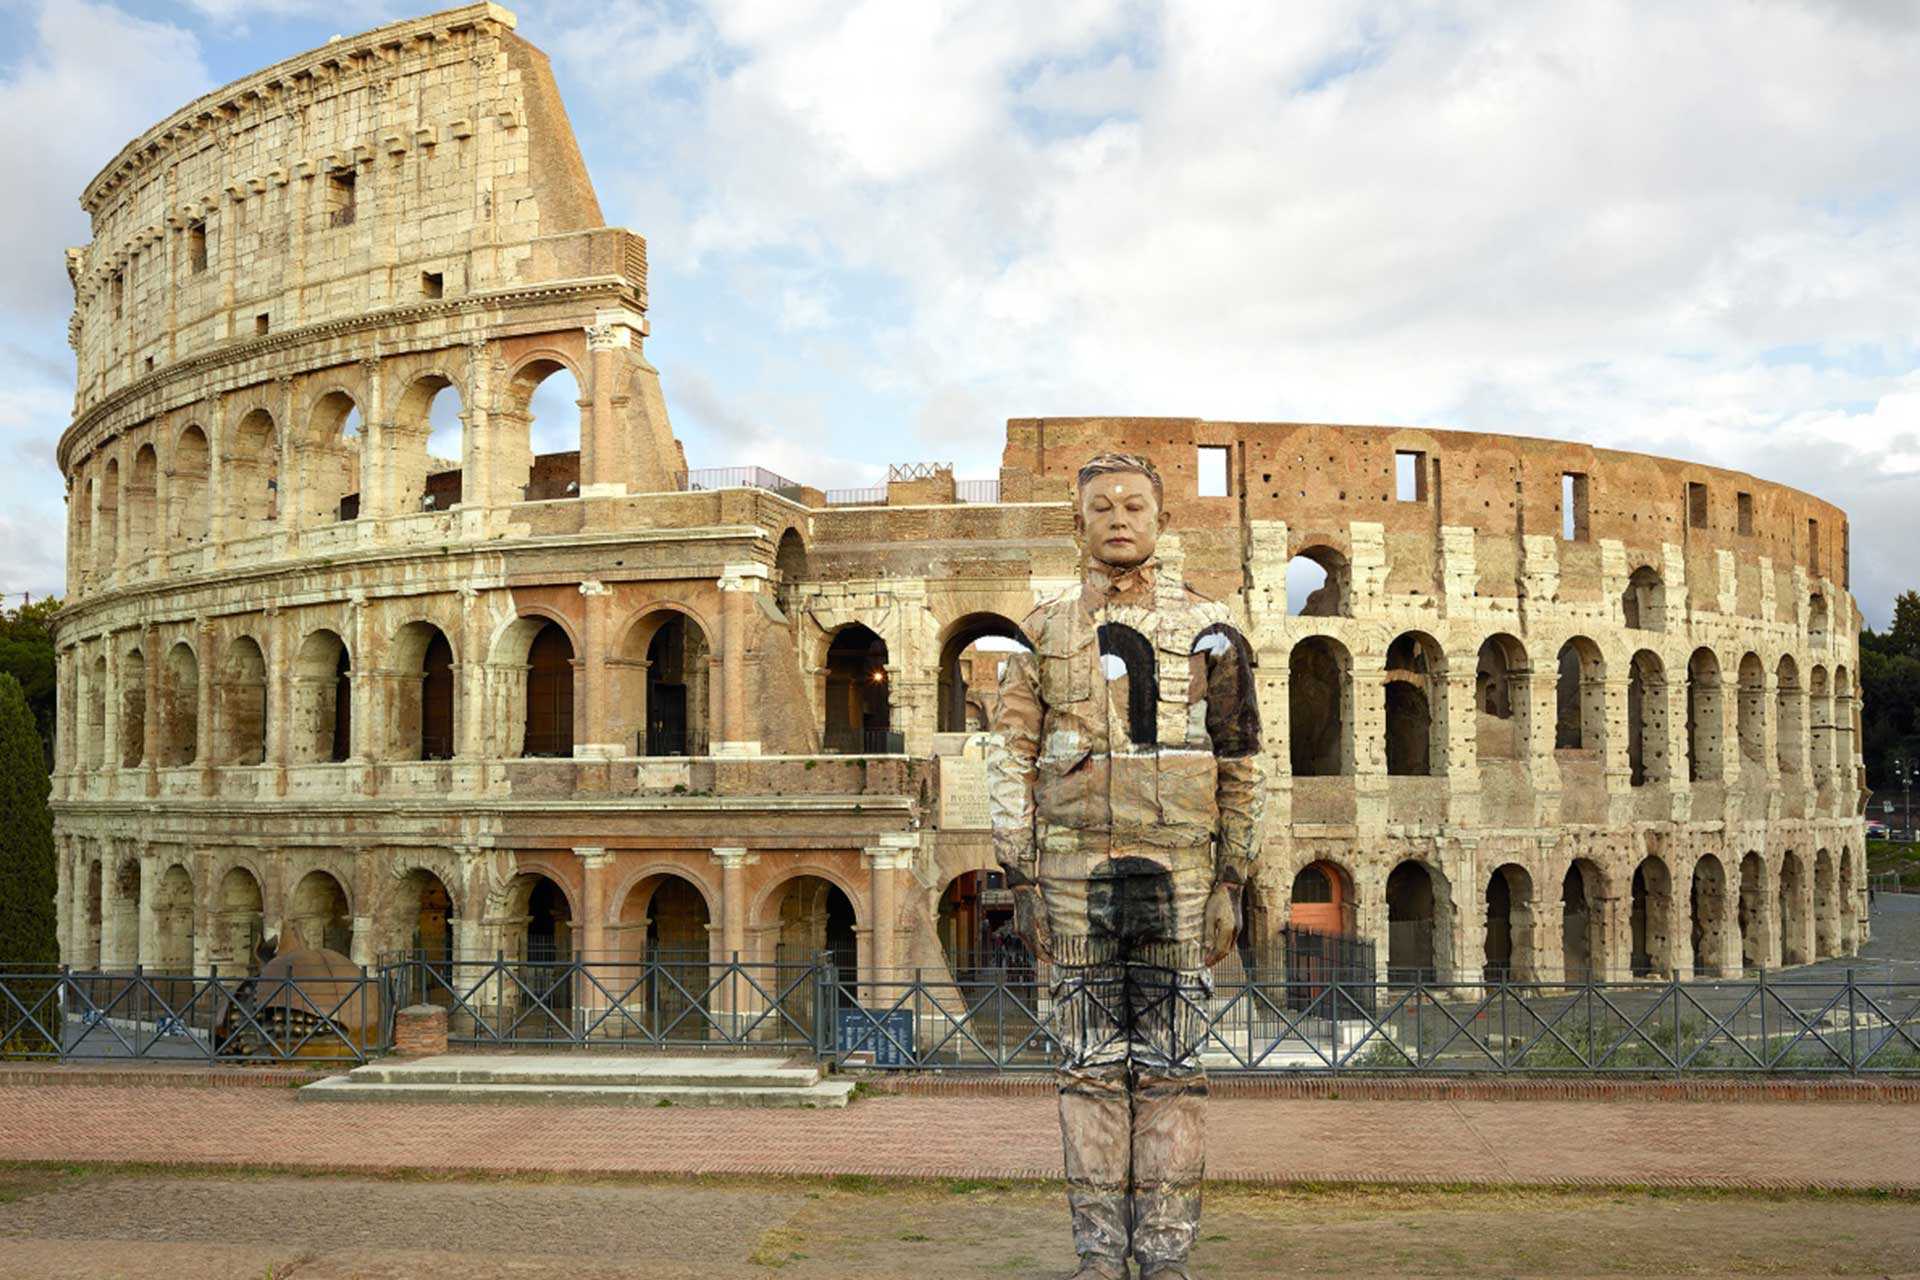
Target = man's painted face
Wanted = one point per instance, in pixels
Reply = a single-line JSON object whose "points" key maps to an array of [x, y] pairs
{"points": [[1120, 518]]}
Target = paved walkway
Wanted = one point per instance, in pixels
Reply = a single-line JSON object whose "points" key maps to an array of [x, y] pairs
{"points": [[1783, 1145]]}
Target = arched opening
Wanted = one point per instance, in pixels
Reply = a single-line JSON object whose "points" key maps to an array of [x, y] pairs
{"points": [[80, 510], [318, 914], [1416, 739], [539, 907], [89, 957], [536, 932], [106, 545], [789, 568], [1709, 902], [1646, 719], [1789, 713], [238, 923], [133, 708], [1321, 899], [1820, 725], [322, 700], [1319, 584], [429, 450], [189, 511], [1817, 621], [1845, 765], [665, 920], [857, 697], [419, 920], [1652, 919], [1320, 709], [172, 923], [679, 689], [97, 715], [253, 476], [1580, 697], [1850, 907], [976, 928], [1752, 713], [329, 462], [142, 494], [242, 703], [1503, 699], [1756, 942], [1509, 935], [1643, 605], [1419, 924], [1582, 922], [1826, 908], [970, 676], [420, 705], [815, 916], [180, 708], [538, 439], [1706, 718], [1793, 909], [549, 693], [122, 924]]}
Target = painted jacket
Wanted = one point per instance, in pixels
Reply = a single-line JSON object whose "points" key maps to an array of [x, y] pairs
{"points": [[1132, 728]]}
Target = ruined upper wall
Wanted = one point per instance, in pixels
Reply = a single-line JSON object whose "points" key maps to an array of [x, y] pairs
{"points": [[418, 160]]}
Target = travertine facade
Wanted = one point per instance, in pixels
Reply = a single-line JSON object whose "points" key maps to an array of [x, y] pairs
{"points": [[1555, 710]]}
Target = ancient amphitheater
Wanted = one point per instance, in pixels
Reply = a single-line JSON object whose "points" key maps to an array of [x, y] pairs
{"points": [[345, 655]]}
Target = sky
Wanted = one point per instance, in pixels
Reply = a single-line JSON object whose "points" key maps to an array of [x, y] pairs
{"points": [[877, 230]]}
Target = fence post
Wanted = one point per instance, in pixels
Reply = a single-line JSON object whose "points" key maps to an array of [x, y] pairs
{"points": [[1853, 1043], [1766, 1041], [825, 998]]}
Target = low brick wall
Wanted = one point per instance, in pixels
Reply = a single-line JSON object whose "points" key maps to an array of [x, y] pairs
{"points": [[420, 1031]]}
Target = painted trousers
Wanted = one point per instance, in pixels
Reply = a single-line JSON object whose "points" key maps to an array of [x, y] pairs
{"points": [[1129, 994]]}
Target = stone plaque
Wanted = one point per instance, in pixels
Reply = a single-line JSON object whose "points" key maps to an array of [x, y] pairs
{"points": [[963, 793]]}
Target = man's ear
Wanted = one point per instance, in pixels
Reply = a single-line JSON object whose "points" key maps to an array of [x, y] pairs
{"points": [[1166, 517]]}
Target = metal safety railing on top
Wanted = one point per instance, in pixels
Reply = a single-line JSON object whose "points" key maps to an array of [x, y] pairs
{"points": [[984, 1019], [739, 478]]}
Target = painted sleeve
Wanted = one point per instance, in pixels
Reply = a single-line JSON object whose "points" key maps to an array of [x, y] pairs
{"points": [[1233, 722], [1012, 747]]}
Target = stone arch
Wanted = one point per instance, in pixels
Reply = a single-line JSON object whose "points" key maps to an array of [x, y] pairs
{"points": [[133, 708], [1319, 583], [665, 670], [428, 455], [422, 695], [537, 917], [322, 728], [1706, 718], [1419, 902], [1653, 952], [180, 707], [856, 692], [664, 912], [1580, 697], [172, 913], [1321, 898], [1751, 714], [1508, 949], [1708, 901], [1819, 621], [1757, 947], [418, 916], [1503, 699], [976, 931], [122, 917], [1793, 910], [1416, 706], [1647, 719], [537, 437], [189, 510], [791, 564], [327, 489], [97, 714], [238, 920], [1820, 727], [1583, 937], [1844, 737], [80, 496], [106, 543], [143, 485], [969, 677], [94, 904], [1643, 606], [1789, 712], [319, 913], [548, 721], [240, 703], [812, 911], [1826, 907], [509, 670], [252, 475], [1320, 708]]}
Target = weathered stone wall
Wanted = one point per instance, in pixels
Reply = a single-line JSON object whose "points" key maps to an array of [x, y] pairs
{"points": [[322, 679]]}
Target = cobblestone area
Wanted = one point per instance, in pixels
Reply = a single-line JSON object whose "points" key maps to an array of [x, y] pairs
{"points": [[1778, 1145]]}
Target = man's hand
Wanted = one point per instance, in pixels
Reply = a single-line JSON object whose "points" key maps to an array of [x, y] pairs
{"points": [[1030, 921], [1222, 922]]}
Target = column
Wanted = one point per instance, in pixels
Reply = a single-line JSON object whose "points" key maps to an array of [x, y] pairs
{"points": [[363, 665], [64, 893], [149, 941], [470, 714], [738, 582], [592, 691], [735, 997], [596, 870], [469, 929], [365, 950], [208, 671]]}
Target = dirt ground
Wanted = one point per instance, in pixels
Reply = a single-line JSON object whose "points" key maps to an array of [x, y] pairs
{"points": [[95, 1222]]}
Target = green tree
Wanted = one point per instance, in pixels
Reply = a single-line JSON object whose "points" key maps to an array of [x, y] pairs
{"points": [[1890, 693], [26, 654], [1904, 636], [27, 876]]}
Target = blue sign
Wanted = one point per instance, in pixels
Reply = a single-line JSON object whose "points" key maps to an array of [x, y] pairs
{"points": [[887, 1035]]}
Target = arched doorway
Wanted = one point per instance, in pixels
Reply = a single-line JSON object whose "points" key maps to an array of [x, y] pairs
{"points": [[1826, 908], [241, 704], [1652, 919], [1793, 917], [1416, 736], [549, 693], [1321, 899], [677, 689], [420, 717], [323, 699], [1756, 943], [133, 708], [173, 923], [666, 925], [857, 700], [536, 932], [1509, 936], [420, 918], [976, 928], [969, 674], [238, 923], [1418, 924], [189, 512], [318, 914], [1709, 932], [1582, 923], [180, 707], [1319, 708]]}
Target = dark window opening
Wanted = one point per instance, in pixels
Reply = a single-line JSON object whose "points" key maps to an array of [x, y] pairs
{"points": [[1813, 546], [197, 246], [550, 694], [432, 284], [436, 701], [1696, 506], [119, 293], [1744, 507], [261, 323], [340, 198]]}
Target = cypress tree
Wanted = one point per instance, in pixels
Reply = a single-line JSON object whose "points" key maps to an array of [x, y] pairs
{"points": [[27, 876]]}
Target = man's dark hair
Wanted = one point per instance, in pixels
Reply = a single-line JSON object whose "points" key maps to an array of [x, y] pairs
{"points": [[1107, 464]]}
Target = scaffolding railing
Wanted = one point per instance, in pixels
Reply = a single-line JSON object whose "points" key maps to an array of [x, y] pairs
{"points": [[739, 478]]}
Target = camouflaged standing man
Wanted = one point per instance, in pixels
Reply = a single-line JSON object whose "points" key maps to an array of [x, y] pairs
{"points": [[1126, 791]]}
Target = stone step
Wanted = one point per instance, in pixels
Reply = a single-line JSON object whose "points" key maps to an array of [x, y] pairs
{"points": [[562, 1070], [826, 1094]]}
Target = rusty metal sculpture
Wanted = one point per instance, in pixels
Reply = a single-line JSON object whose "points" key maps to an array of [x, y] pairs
{"points": [[305, 1002]]}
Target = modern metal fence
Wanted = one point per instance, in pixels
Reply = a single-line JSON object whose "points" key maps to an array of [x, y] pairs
{"points": [[1255, 1020]]}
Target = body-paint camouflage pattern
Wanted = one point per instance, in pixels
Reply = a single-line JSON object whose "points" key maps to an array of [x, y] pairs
{"points": [[1124, 777]]}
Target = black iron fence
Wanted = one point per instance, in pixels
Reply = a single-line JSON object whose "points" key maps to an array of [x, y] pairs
{"points": [[1311, 1016], [843, 741]]}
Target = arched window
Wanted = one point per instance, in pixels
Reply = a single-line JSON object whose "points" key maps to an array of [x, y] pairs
{"points": [[253, 476], [538, 438], [677, 689], [329, 463], [1789, 712], [429, 451], [242, 704], [106, 542], [97, 714], [322, 700], [420, 712], [1753, 712], [180, 708], [187, 503], [1643, 605], [859, 709], [1319, 708], [141, 497], [1647, 719], [550, 693], [1817, 621], [970, 674], [1319, 584], [1706, 718], [133, 708], [1503, 699], [1416, 735]]}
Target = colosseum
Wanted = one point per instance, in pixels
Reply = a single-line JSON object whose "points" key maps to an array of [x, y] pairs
{"points": [[345, 656]]}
